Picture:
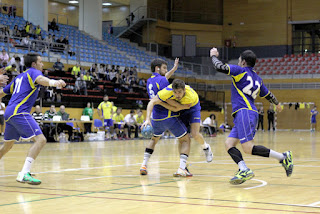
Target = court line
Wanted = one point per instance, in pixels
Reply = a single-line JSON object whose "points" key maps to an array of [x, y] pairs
{"points": [[314, 204], [85, 195]]}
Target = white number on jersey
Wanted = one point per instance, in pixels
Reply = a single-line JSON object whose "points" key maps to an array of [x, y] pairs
{"points": [[17, 85], [247, 89], [151, 92]]}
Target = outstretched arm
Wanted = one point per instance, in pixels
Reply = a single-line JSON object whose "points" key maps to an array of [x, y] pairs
{"points": [[217, 64], [272, 99], [175, 67], [42, 80]]}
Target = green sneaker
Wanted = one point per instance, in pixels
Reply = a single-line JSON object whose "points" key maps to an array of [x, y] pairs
{"points": [[27, 178], [241, 176], [287, 163]]}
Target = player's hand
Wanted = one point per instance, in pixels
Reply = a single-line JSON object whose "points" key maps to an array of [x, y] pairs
{"points": [[185, 106], [279, 108], [60, 83], [2, 70], [147, 122], [3, 79], [176, 64], [214, 52]]}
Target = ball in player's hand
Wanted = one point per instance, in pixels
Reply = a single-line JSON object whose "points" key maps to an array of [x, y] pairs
{"points": [[147, 132]]}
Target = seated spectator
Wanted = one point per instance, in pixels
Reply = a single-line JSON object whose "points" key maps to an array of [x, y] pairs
{"points": [[31, 31], [38, 116], [65, 41], [211, 125], [16, 32], [53, 25], [142, 83], [89, 112], [63, 126], [93, 68], [112, 76], [119, 124], [76, 70], [26, 42], [49, 42], [132, 124], [39, 44], [81, 85], [60, 46], [48, 128], [4, 57], [88, 80], [102, 72], [58, 67], [16, 60], [139, 118], [11, 70], [37, 31]]}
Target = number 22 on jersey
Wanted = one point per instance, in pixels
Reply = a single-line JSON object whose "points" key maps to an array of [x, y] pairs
{"points": [[248, 89]]}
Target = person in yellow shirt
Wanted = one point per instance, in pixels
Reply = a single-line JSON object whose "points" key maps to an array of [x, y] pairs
{"points": [[87, 77], [75, 70], [139, 118], [191, 117], [106, 113], [119, 124]]}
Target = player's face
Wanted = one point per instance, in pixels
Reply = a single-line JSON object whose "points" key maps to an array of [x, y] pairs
{"points": [[179, 93], [106, 98], [39, 64], [163, 69]]}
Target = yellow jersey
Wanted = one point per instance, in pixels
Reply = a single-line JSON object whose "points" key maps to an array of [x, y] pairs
{"points": [[86, 78], [75, 70], [118, 118], [191, 97], [139, 120], [105, 108]]}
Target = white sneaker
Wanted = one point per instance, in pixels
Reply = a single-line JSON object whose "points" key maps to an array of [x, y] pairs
{"points": [[182, 173], [208, 153]]}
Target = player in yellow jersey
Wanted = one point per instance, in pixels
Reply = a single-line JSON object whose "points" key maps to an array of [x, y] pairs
{"points": [[185, 95], [105, 112]]}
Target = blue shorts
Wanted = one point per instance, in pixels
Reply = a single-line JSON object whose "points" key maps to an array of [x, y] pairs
{"points": [[245, 123], [172, 124], [21, 126], [191, 115], [313, 120], [108, 122]]}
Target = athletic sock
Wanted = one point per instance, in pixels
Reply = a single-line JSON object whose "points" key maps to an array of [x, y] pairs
{"points": [[183, 160], [276, 155], [205, 145], [242, 166], [147, 154], [27, 165]]}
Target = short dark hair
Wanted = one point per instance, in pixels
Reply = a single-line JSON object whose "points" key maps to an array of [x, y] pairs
{"points": [[17, 59], [30, 58], [131, 111], [178, 84], [106, 95], [13, 66], [157, 62], [249, 56], [213, 115]]}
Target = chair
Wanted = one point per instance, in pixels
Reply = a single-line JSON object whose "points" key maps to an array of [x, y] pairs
{"points": [[97, 124]]}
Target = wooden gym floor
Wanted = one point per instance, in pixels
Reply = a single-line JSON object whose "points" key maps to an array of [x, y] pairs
{"points": [[103, 177]]}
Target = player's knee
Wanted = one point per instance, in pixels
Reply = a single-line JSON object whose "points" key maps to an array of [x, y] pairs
{"points": [[195, 134], [247, 149]]}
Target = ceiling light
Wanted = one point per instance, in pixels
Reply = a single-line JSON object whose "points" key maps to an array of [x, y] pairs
{"points": [[106, 4], [73, 2]]}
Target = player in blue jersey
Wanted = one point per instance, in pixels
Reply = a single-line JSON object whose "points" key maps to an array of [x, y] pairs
{"points": [[19, 123], [313, 121], [246, 86], [165, 117]]}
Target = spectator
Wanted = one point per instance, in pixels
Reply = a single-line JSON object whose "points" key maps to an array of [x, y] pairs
{"points": [[81, 85], [132, 124], [31, 31], [63, 126], [132, 16], [2, 108], [211, 124], [112, 76], [53, 25], [110, 30], [16, 32], [48, 115], [65, 41], [93, 68], [15, 60], [260, 122], [139, 119], [26, 42], [12, 70], [58, 67], [49, 41], [76, 70], [4, 57], [37, 32], [119, 124], [39, 45], [102, 72], [38, 116], [60, 46], [48, 127], [89, 112], [12, 10], [88, 79]]}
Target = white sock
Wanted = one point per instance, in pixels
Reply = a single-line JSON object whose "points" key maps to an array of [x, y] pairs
{"points": [[27, 165], [183, 161], [205, 145], [276, 155], [242, 166], [146, 158]]}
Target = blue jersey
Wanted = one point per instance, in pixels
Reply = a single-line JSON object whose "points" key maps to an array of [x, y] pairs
{"points": [[246, 85], [155, 84], [314, 114], [24, 92]]}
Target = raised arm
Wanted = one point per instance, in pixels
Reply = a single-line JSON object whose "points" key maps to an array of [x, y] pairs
{"points": [[175, 67], [272, 99], [217, 64]]}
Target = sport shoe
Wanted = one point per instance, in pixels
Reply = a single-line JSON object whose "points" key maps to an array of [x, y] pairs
{"points": [[27, 178], [241, 176], [182, 173], [143, 170], [287, 163], [208, 153]]}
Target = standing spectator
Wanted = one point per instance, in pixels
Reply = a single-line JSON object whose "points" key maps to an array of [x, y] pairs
{"points": [[260, 112], [89, 112], [132, 124], [2, 108], [271, 113], [12, 10], [105, 112], [76, 70], [110, 30], [58, 67], [313, 121], [53, 25], [81, 85], [4, 57], [63, 126], [211, 124]]}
